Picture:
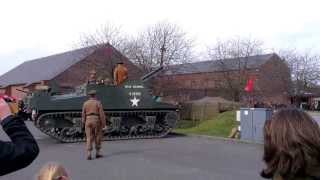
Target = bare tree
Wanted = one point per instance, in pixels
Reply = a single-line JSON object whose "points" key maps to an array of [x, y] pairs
{"points": [[106, 34], [161, 44], [238, 50], [235, 48], [100, 41], [305, 68]]}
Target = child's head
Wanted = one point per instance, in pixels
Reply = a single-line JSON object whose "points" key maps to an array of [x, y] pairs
{"points": [[53, 171]]}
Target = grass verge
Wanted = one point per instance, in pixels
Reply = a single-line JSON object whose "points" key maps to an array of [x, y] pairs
{"points": [[219, 126]]}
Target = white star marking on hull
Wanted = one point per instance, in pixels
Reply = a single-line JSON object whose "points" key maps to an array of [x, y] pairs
{"points": [[134, 102]]}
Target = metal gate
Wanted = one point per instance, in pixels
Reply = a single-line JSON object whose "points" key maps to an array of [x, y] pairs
{"points": [[252, 121]]}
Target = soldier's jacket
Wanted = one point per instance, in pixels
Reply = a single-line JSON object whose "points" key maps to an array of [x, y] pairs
{"points": [[120, 74], [93, 107]]}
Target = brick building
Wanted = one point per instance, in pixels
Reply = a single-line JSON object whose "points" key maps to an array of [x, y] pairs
{"points": [[66, 70], [212, 78]]}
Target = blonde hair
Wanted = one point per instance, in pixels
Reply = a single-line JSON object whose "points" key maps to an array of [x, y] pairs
{"points": [[52, 171]]}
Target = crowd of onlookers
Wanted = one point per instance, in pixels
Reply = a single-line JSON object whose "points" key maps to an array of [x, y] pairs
{"points": [[274, 106], [291, 147], [313, 106]]}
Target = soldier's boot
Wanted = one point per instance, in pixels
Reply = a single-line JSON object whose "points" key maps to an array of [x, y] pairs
{"points": [[98, 154], [89, 157]]}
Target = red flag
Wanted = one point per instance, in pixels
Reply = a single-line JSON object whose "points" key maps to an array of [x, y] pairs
{"points": [[250, 85]]}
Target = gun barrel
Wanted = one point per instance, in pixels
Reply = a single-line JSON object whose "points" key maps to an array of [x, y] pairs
{"points": [[151, 74], [22, 91]]}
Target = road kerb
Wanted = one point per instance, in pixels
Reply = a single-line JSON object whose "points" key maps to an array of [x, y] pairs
{"points": [[219, 138]]}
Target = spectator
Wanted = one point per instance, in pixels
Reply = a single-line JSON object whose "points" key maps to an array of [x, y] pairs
{"points": [[258, 104], [291, 146], [22, 150], [53, 171]]}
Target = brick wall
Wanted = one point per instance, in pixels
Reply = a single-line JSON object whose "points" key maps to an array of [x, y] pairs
{"points": [[198, 85], [2, 91], [272, 84], [15, 93], [274, 81]]}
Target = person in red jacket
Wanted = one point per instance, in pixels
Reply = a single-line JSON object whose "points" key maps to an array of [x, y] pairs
{"points": [[23, 148]]}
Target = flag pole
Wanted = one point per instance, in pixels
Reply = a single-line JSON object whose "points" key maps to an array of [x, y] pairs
{"points": [[249, 89]]}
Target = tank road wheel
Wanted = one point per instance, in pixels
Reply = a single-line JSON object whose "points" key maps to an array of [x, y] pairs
{"points": [[66, 126], [71, 134], [47, 123], [171, 119], [51, 131]]}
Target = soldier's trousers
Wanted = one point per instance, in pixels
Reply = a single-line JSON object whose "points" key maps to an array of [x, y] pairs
{"points": [[93, 132]]}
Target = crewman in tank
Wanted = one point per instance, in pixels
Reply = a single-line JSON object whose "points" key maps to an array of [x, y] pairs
{"points": [[94, 120], [92, 77], [120, 73], [107, 81]]}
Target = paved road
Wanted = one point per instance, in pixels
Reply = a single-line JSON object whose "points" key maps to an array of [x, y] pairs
{"points": [[317, 118], [178, 158]]}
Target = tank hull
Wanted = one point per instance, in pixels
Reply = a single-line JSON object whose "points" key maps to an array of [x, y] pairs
{"points": [[131, 113]]}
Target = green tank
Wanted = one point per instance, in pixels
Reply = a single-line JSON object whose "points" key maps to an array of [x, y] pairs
{"points": [[132, 111]]}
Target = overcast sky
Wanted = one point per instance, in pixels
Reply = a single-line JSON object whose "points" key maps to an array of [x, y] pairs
{"points": [[36, 28]]}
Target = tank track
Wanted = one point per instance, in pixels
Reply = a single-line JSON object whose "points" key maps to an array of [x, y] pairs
{"points": [[157, 127]]}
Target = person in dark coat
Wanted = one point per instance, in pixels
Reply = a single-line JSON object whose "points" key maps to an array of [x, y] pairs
{"points": [[23, 148]]}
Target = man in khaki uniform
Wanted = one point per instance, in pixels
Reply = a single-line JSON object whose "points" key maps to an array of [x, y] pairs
{"points": [[93, 118], [120, 73]]}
